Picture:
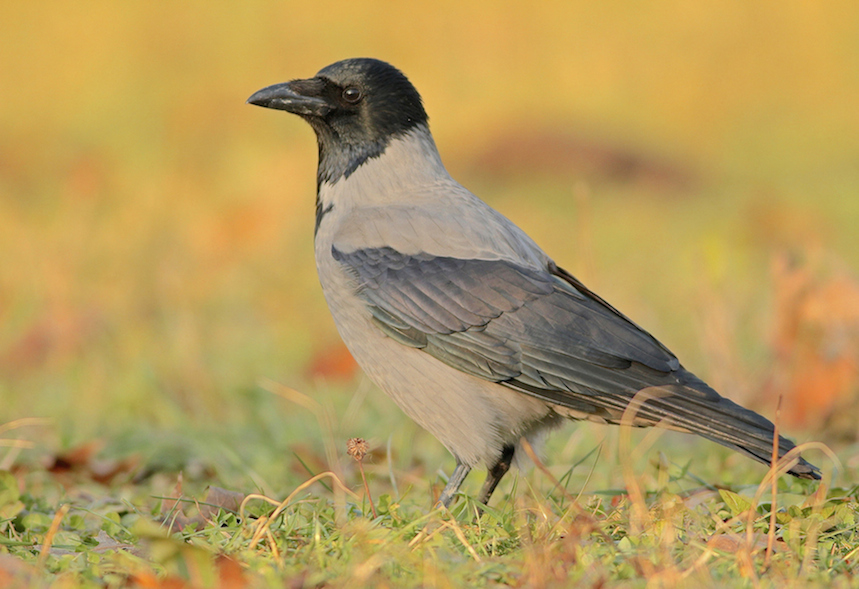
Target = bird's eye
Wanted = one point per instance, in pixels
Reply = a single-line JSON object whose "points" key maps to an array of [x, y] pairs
{"points": [[352, 94]]}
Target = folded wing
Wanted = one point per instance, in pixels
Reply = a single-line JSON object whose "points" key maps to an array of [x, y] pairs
{"points": [[543, 333]]}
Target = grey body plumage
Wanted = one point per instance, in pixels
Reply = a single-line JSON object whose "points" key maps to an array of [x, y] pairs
{"points": [[455, 312]]}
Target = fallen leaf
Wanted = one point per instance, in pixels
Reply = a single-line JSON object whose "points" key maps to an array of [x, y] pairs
{"points": [[173, 514], [734, 543], [218, 498], [230, 574], [81, 461], [14, 572]]}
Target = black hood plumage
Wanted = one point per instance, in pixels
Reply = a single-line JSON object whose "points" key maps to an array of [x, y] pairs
{"points": [[355, 106]]}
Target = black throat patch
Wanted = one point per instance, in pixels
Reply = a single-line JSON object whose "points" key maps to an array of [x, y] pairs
{"points": [[338, 159]]}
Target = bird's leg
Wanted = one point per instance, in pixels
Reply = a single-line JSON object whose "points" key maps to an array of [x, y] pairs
{"points": [[454, 483], [496, 472]]}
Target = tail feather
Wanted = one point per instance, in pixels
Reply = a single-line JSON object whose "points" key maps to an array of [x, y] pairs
{"points": [[697, 408], [688, 405], [752, 434]]}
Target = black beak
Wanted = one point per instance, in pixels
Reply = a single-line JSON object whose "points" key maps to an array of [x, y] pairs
{"points": [[286, 97]]}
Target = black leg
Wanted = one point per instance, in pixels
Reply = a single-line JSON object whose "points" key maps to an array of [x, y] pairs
{"points": [[496, 473], [453, 483]]}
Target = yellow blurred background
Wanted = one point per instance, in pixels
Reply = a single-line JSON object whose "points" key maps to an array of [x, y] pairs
{"points": [[692, 162]]}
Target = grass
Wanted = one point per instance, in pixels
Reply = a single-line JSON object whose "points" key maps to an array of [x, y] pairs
{"points": [[693, 164], [653, 518]]}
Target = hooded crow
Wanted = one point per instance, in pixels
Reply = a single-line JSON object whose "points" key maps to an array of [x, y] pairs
{"points": [[456, 313]]}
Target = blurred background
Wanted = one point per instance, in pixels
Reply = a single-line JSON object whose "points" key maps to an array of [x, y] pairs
{"points": [[696, 164]]}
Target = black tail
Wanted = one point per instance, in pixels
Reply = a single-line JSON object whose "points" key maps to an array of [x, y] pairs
{"points": [[677, 400], [698, 409]]}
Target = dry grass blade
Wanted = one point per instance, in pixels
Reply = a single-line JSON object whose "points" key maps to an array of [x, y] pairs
{"points": [[292, 395], [25, 422], [574, 501], [263, 523], [422, 537], [325, 419], [627, 422], [773, 462], [529, 450], [52, 531], [786, 462], [17, 444], [460, 535]]}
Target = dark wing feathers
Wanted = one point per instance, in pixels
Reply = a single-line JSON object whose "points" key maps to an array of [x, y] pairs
{"points": [[542, 332], [476, 353], [441, 295]]}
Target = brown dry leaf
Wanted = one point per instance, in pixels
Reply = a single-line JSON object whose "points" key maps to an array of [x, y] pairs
{"points": [[105, 471], [617, 499], [230, 574], [14, 572], [724, 543], [178, 521], [735, 542], [218, 498], [81, 460], [77, 457], [172, 514], [172, 510], [695, 497], [170, 505], [151, 581]]}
